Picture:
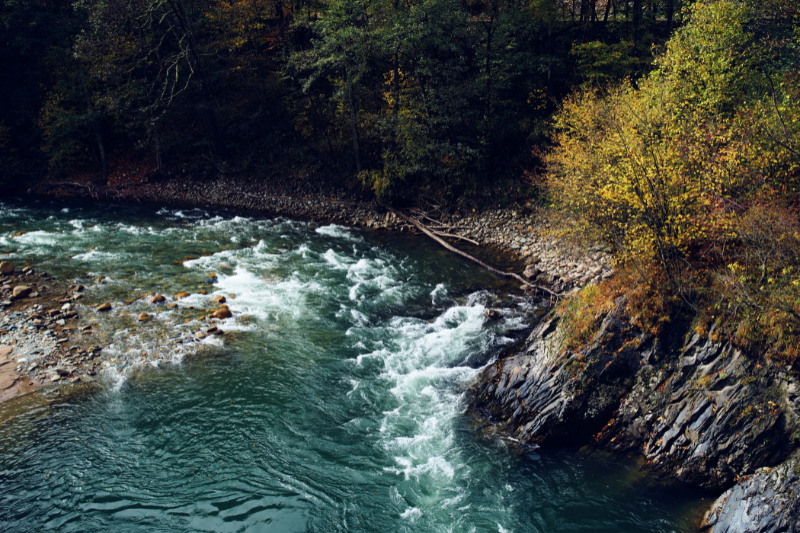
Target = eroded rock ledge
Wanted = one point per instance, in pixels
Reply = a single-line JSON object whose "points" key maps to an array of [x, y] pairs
{"points": [[700, 411]]}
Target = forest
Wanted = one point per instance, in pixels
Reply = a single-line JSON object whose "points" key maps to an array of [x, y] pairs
{"points": [[452, 98]]}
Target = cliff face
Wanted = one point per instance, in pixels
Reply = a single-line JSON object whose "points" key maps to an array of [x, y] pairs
{"points": [[701, 411]]}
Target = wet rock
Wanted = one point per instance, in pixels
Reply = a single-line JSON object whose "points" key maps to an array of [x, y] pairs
{"points": [[222, 313], [144, 317], [492, 314], [6, 268], [21, 291], [765, 502], [62, 372], [220, 299], [182, 295], [702, 412], [157, 299], [104, 307]]}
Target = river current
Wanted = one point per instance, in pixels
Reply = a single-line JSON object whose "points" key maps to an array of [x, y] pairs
{"points": [[336, 402]]}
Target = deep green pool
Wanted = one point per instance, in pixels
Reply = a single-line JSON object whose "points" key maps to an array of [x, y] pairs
{"points": [[338, 404]]}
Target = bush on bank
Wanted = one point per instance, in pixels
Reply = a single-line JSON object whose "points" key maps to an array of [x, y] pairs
{"points": [[693, 172]]}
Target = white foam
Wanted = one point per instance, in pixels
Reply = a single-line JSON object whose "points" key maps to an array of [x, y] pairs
{"points": [[334, 230], [412, 513]]}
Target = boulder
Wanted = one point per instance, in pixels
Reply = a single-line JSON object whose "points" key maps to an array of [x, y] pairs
{"points": [[6, 268], [144, 317], [220, 299], [158, 299], [531, 272], [21, 291], [104, 307], [181, 295], [222, 313]]}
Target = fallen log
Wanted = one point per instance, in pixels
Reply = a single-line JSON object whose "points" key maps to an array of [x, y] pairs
{"points": [[417, 224], [450, 235]]}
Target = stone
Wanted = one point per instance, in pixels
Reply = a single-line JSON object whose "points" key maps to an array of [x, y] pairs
{"points": [[21, 291], [62, 371], [6, 268], [65, 307], [222, 313], [104, 307], [158, 299], [55, 377], [172, 306], [220, 299], [531, 272], [181, 295], [144, 317], [492, 314]]}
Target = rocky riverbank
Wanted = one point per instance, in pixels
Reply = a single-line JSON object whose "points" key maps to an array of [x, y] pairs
{"points": [[699, 410], [55, 333], [524, 232], [41, 338]]}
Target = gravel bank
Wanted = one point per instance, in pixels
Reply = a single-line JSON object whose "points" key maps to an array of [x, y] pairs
{"points": [[526, 233]]}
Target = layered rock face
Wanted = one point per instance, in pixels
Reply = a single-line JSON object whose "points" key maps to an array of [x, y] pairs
{"points": [[768, 501], [699, 410]]}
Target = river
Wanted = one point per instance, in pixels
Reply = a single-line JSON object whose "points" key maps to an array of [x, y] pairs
{"points": [[335, 402]]}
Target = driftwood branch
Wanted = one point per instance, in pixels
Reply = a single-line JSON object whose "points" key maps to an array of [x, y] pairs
{"points": [[451, 236], [455, 250]]}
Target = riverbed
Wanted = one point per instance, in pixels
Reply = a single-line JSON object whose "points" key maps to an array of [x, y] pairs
{"points": [[335, 400]]}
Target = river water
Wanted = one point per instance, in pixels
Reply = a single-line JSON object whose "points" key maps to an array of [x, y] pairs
{"points": [[336, 402]]}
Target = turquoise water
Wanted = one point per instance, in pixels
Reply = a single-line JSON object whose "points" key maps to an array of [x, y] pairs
{"points": [[337, 402]]}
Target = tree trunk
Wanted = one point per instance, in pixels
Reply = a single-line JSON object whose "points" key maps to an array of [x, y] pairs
{"points": [[208, 104], [95, 130], [353, 122], [670, 14], [608, 8]]}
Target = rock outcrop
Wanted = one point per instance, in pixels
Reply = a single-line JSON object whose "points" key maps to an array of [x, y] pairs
{"points": [[767, 501], [700, 411]]}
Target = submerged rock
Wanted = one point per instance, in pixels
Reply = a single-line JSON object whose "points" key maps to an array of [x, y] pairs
{"points": [[222, 313], [104, 307], [157, 299], [182, 295]]}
